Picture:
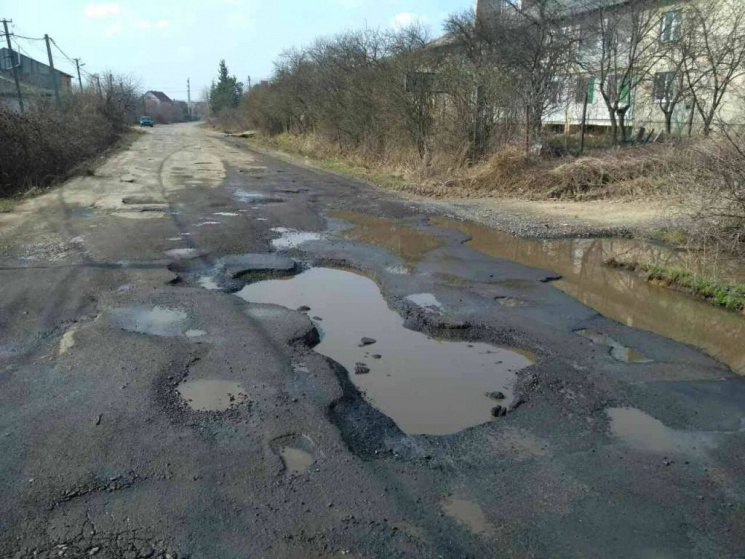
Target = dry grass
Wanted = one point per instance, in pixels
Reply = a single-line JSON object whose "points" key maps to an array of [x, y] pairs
{"points": [[627, 173]]}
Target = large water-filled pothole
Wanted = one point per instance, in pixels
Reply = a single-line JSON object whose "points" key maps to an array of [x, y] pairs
{"points": [[426, 386]]}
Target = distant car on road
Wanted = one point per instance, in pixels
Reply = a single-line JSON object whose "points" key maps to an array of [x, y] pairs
{"points": [[147, 121]]}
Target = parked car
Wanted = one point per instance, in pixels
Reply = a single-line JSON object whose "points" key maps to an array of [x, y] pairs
{"points": [[147, 121]]}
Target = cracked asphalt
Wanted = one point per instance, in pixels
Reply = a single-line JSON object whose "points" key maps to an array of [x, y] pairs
{"points": [[119, 287]]}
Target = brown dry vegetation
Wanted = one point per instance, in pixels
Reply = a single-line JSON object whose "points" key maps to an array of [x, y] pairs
{"points": [[43, 146]]}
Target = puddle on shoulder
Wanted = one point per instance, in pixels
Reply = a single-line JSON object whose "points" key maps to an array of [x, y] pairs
{"points": [[642, 431], [618, 351], [427, 386], [467, 513], [212, 395]]}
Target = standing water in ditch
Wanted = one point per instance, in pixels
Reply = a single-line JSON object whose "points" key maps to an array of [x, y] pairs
{"points": [[426, 386]]}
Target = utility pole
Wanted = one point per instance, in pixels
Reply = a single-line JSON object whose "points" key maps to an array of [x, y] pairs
{"points": [[188, 97], [13, 65], [54, 73], [78, 65], [98, 81], [249, 85]]}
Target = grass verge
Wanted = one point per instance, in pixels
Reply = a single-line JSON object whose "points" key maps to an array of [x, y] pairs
{"points": [[728, 295]]}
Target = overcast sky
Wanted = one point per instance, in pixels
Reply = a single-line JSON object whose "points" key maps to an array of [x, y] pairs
{"points": [[164, 42]]}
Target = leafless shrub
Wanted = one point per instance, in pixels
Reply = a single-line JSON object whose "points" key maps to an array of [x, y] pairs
{"points": [[712, 193], [42, 145]]}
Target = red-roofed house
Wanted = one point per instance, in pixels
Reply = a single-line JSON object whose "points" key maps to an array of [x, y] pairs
{"points": [[157, 97]]}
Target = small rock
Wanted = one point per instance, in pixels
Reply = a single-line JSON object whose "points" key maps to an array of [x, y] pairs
{"points": [[128, 178], [94, 550], [376, 356], [98, 419], [318, 318], [367, 341], [361, 369], [498, 411], [496, 395], [304, 308]]}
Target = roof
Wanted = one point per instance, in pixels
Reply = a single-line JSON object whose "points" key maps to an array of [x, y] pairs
{"points": [[160, 96]]}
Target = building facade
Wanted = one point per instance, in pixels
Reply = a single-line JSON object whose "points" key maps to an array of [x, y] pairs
{"points": [[36, 78]]}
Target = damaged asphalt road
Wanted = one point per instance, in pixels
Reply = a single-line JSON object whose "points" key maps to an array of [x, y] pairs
{"points": [[156, 402]]}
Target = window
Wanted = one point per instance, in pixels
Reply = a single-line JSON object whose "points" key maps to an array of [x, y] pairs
{"points": [[670, 26], [584, 84], [664, 86]]}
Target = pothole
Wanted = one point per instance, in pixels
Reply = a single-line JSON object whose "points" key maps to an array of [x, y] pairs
{"points": [[156, 321], [296, 460], [212, 395], [642, 431], [468, 513], [618, 351], [289, 238], [426, 386], [253, 197]]}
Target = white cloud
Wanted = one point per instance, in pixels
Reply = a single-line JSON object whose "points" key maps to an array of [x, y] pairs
{"points": [[101, 10], [161, 24], [405, 19], [144, 24], [114, 29]]}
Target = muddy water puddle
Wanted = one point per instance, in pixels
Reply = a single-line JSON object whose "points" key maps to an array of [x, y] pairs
{"points": [[212, 395], [618, 294], [467, 513], [640, 430], [426, 386], [392, 234], [296, 460]]}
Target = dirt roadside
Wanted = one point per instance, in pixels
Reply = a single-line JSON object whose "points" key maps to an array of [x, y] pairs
{"points": [[528, 218]]}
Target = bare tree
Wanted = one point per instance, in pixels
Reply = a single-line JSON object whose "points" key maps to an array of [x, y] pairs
{"points": [[527, 48], [713, 58], [621, 48]]}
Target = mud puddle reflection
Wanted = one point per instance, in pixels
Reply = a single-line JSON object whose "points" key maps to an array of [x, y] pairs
{"points": [[426, 386], [618, 294], [408, 243]]}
